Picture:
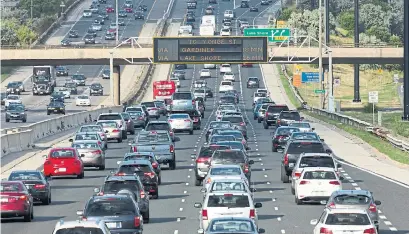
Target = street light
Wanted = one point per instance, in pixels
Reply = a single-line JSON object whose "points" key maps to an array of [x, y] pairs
{"points": [[320, 51], [117, 26], [31, 10]]}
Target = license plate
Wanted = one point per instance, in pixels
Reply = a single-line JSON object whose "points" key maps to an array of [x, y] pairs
{"points": [[62, 169], [114, 225], [4, 199], [55, 110], [291, 165], [41, 92]]}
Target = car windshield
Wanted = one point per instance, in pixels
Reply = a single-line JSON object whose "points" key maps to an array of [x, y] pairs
{"points": [[70, 85], [16, 108], [352, 199], [63, 154], [80, 230], [182, 96], [86, 137], [130, 169], [108, 124], [134, 113], [286, 131], [300, 125], [95, 128], [153, 138], [199, 91], [253, 79], [233, 119], [231, 226], [148, 104], [220, 125], [96, 86], [85, 145], [157, 126], [12, 97], [231, 156], [10, 187], [228, 200], [218, 138], [319, 175], [260, 95], [110, 117], [110, 207], [228, 186], [305, 147], [25, 176], [79, 77], [207, 151], [12, 85], [353, 219], [225, 171], [317, 161], [233, 144], [116, 186]]}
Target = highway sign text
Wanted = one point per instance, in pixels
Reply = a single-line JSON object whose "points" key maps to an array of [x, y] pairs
{"points": [[273, 34], [310, 77], [373, 97]]}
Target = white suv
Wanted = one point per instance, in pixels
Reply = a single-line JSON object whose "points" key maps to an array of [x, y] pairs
{"points": [[225, 68], [227, 203], [81, 227], [117, 117]]}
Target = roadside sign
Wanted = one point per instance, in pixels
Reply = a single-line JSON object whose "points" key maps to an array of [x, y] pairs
{"points": [[337, 82], [319, 91], [281, 24], [310, 77], [373, 97], [396, 78], [273, 34], [62, 5], [296, 80]]}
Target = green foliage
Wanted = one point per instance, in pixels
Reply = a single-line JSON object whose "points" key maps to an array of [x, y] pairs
{"points": [[382, 33], [368, 108], [41, 7], [285, 14], [346, 20], [395, 40]]}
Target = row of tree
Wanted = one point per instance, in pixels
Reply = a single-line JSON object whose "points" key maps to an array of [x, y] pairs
{"points": [[19, 27]]}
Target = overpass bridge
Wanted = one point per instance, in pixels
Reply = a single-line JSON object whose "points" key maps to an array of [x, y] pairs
{"points": [[131, 53]]}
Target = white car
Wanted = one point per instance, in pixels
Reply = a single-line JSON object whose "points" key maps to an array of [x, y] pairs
{"points": [[97, 226], [230, 184], [225, 32], [97, 27], [316, 184], [87, 13], [205, 73], [225, 86], [181, 122], [229, 76], [222, 108], [303, 126], [113, 26], [257, 96], [209, 66], [225, 204], [65, 92], [83, 100], [344, 221], [228, 14], [15, 99], [221, 114], [262, 91], [176, 80], [200, 83], [218, 172], [225, 68]]}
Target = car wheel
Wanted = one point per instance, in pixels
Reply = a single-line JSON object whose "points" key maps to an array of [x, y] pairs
{"points": [[298, 201], [191, 132], [258, 120], [274, 149], [7, 120], [172, 165], [47, 200], [48, 113], [292, 191], [119, 140], [101, 168], [124, 135], [28, 217], [133, 132], [254, 117], [146, 217], [198, 181], [160, 180], [156, 196], [80, 176], [284, 176]]}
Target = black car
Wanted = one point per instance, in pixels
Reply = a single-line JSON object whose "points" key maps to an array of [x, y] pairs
{"points": [[120, 212], [272, 113], [190, 18], [114, 184], [56, 108], [253, 9], [16, 112], [92, 32], [292, 152], [122, 14], [180, 66], [65, 43], [36, 183], [106, 74], [196, 117], [253, 82], [146, 173], [96, 89], [287, 117], [72, 86], [73, 34], [102, 1], [61, 71], [179, 74], [89, 39], [209, 92], [13, 88], [146, 156], [244, 4], [139, 15], [143, 8], [281, 137], [57, 97]]}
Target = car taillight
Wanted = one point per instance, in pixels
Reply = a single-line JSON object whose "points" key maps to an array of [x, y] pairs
{"points": [[372, 208], [204, 214], [252, 213], [286, 159], [99, 143], [120, 174], [243, 141], [77, 162], [137, 221], [171, 148], [304, 182], [332, 205], [193, 102], [242, 123], [140, 118], [202, 160], [171, 133], [150, 174], [246, 169], [155, 165], [154, 109], [96, 152], [47, 162], [278, 121], [325, 231], [170, 120], [39, 186], [115, 130], [20, 198], [370, 230], [297, 174], [100, 194], [142, 194], [208, 181], [134, 149], [334, 182], [266, 114], [187, 120], [196, 119]]}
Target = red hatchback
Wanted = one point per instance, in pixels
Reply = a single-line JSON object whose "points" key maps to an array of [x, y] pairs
{"points": [[16, 201], [64, 162], [110, 9], [128, 9]]}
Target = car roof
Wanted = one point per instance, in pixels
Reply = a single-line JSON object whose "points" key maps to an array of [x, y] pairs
{"points": [[157, 121], [136, 161], [120, 178], [353, 192], [235, 192], [305, 140], [315, 154], [79, 223], [346, 210], [225, 166], [307, 169], [20, 171]]}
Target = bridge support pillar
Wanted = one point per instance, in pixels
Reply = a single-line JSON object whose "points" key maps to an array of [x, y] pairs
{"points": [[405, 116], [357, 95], [117, 85]]}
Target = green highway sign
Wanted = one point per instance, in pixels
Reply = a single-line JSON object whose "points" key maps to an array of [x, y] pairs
{"points": [[319, 91], [273, 34]]}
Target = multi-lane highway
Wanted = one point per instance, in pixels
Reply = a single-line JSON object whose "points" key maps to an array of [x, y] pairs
{"points": [[174, 213], [36, 105]]}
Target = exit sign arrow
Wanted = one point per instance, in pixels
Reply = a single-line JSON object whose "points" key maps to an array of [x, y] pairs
{"points": [[273, 34]]}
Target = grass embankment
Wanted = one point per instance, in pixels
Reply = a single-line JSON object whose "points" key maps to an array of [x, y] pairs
{"points": [[382, 146], [5, 72]]}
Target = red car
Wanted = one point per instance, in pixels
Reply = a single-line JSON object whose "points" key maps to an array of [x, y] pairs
{"points": [[110, 9], [16, 201], [247, 65], [128, 9], [64, 162]]}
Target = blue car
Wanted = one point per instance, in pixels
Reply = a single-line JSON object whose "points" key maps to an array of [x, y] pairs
{"points": [[255, 111]]}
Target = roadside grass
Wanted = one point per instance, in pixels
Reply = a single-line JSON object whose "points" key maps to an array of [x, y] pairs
{"points": [[5, 72], [379, 144]]}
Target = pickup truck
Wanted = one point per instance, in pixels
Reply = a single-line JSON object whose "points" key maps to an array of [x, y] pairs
{"points": [[158, 142]]}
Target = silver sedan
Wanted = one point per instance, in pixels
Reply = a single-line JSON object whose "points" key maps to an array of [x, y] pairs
{"points": [[181, 122], [92, 154], [232, 225]]}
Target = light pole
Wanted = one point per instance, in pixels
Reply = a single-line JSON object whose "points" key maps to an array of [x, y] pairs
{"points": [[117, 26], [405, 116], [111, 76], [31, 9], [320, 51]]}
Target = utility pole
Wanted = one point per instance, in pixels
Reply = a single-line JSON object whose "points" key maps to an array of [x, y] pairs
{"points": [[111, 76], [320, 51], [405, 116], [357, 95], [31, 9], [327, 30], [117, 26]]}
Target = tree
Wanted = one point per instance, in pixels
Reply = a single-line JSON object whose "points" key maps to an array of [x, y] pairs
{"points": [[339, 6], [371, 15], [25, 35], [382, 33], [346, 20], [395, 40], [8, 33], [41, 7]]}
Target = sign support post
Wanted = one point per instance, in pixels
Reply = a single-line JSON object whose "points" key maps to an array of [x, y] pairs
{"points": [[373, 98]]}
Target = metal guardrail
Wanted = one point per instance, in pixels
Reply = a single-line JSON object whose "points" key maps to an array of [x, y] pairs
{"points": [[348, 120]]}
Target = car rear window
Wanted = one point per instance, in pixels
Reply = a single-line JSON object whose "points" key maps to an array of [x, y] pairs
{"points": [[108, 124], [85, 145], [290, 115], [116, 186], [147, 138], [110, 207], [182, 96], [179, 116], [126, 116], [225, 171], [62, 154], [208, 151], [317, 161], [228, 200], [10, 187], [305, 147], [229, 156], [305, 136], [219, 125], [228, 186], [277, 109], [300, 125], [238, 135], [286, 131], [347, 219], [157, 126], [86, 137], [110, 117], [319, 175], [134, 109], [232, 144], [148, 104], [138, 156], [226, 83], [199, 91], [25, 175], [134, 168], [95, 128], [216, 139], [232, 226], [80, 230], [227, 99], [233, 119], [349, 199]]}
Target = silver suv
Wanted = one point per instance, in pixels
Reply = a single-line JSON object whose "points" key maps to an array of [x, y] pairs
{"points": [[118, 118], [182, 102]]}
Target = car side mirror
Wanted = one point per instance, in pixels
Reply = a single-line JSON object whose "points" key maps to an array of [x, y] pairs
{"points": [[253, 190], [258, 205], [314, 222], [96, 190], [322, 140], [339, 165], [112, 172], [378, 203], [323, 202], [95, 120], [25, 109], [71, 140], [261, 230], [193, 156], [44, 156], [203, 190], [341, 178], [251, 162], [200, 231], [118, 162], [80, 212], [198, 205], [120, 126], [328, 151], [82, 155], [106, 131], [248, 148]]}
